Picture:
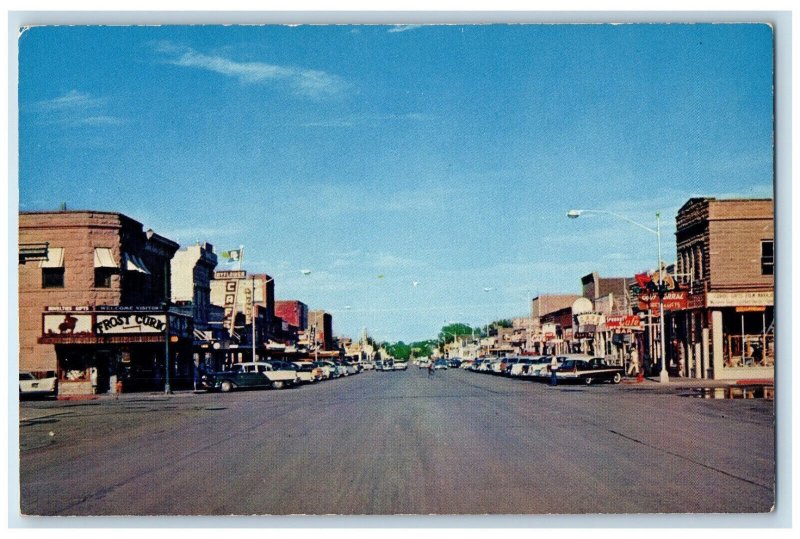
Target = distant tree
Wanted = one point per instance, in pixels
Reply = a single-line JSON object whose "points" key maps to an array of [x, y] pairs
{"points": [[399, 350], [423, 348], [451, 331], [504, 323]]}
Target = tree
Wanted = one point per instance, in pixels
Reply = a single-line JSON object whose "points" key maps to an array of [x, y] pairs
{"points": [[399, 350], [451, 331]]}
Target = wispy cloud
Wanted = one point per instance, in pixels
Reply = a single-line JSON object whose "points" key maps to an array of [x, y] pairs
{"points": [[367, 119], [303, 81], [76, 108], [403, 28]]}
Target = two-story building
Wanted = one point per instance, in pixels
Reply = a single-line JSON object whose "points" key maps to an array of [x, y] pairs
{"points": [[725, 258], [94, 288]]}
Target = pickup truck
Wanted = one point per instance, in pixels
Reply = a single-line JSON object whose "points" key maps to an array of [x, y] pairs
{"points": [[30, 386], [253, 374]]}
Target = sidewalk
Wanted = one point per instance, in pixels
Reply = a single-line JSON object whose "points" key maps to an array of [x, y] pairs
{"points": [[675, 382]]}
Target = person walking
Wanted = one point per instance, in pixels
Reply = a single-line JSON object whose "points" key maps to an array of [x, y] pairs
{"points": [[633, 368], [430, 368], [553, 369]]}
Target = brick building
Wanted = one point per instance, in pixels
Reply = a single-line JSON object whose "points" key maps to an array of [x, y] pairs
{"points": [[240, 296], [725, 258], [293, 312], [92, 306], [320, 324], [545, 336]]}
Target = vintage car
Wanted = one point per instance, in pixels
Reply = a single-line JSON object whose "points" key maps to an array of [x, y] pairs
{"points": [[31, 386], [589, 371], [308, 372], [253, 374], [400, 365]]}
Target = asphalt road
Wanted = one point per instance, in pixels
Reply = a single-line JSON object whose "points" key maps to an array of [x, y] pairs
{"points": [[399, 443]]}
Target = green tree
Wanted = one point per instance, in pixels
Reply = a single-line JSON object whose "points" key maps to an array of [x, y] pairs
{"points": [[399, 350], [451, 331]]}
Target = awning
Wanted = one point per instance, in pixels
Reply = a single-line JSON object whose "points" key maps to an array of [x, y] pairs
{"points": [[103, 258], [134, 263], [55, 258]]}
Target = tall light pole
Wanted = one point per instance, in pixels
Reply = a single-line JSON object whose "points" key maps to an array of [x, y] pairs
{"points": [[574, 214]]}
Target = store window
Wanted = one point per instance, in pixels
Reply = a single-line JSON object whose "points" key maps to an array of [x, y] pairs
{"points": [[767, 258]]}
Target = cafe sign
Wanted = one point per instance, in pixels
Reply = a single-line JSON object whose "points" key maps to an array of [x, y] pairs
{"points": [[626, 321]]}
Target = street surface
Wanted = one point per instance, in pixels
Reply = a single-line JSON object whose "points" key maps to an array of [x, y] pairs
{"points": [[399, 443]]}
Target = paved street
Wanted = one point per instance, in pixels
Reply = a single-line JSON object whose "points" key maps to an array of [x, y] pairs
{"points": [[399, 442]]}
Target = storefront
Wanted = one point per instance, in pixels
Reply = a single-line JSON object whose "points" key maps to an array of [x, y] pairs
{"points": [[96, 347], [727, 335]]}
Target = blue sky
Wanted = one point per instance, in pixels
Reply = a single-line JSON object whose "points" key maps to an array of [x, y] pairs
{"points": [[445, 156]]}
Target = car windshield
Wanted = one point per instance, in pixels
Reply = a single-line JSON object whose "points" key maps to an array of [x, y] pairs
{"points": [[569, 364]]}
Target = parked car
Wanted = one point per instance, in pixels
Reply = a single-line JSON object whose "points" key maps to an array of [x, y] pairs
{"points": [[423, 363], [455, 363], [515, 370], [536, 364], [589, 371], [543, 370], [400, 365], [327, 371], [507, 363], [466, 364], [440, 364], [253, 374], [31, 386], [308, 372]]}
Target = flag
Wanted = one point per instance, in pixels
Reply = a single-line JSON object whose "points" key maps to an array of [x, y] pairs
{"points": [[232, 256], [380, 276]]}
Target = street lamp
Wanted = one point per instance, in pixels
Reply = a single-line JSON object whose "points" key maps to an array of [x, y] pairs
{"points": [[574, 214]]}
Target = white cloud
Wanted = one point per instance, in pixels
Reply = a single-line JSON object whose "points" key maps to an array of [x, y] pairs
{"points": [[309, 82], [76, 108], [403, 28]]}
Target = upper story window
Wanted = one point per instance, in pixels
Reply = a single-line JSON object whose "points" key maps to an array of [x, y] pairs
{"points": [[104, 267], [53, 268], [767, 257]]}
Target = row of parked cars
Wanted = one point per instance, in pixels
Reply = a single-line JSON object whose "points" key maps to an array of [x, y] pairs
{"points": [[279, 374], [391, 365], [571, 368]]}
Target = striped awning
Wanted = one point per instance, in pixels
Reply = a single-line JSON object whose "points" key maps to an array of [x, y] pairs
{"points": [[55, 258], [134, 263], [103, 258]]}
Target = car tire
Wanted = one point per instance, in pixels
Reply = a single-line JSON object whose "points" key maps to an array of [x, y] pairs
{"points": [[617, 378], [226, 386], [278, 384], [588, 381]]}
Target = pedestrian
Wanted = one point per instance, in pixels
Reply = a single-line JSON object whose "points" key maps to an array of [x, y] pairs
{"points": [[633, 368], [93, 379], [430, 368], [553, 370], [196, 376]]}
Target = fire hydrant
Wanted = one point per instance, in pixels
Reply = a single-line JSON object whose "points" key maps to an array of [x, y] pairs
{"points": [[118, 387]]}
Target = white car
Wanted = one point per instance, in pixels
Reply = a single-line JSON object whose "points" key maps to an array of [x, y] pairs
{"points": [[308, 372], [400, 365], [30, 386]]}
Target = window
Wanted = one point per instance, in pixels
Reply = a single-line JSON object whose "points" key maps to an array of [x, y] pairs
{"points": [[53, 268], [52, 277], [102, 277], [767, 258]]}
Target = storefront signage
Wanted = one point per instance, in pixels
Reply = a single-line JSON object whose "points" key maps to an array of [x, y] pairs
{"points": [[230, 274], [673, 301], [751, 309], [127, 323], [589, 319], [627, 321], [67, 324], [739, 299]]}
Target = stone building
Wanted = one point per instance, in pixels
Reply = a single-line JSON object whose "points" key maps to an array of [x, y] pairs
{"points": [[92, 308]]}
